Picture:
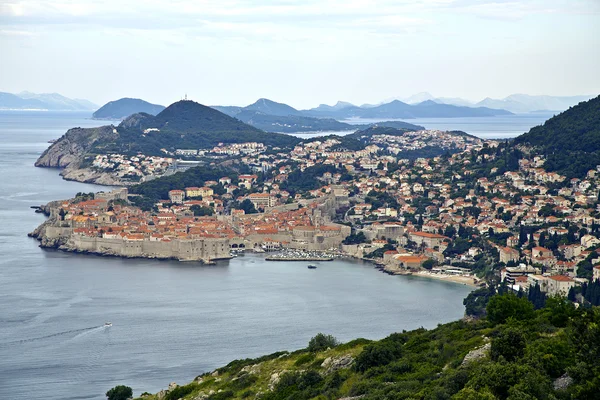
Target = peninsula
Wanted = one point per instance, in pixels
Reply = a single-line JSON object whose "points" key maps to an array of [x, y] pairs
{"points": [[427, 202]]}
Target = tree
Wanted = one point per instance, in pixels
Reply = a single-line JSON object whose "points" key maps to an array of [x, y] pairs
{"points": [[248, 207], [119, 392], [355, 238], [428, 264], [501, 308], [200, 211], [476, 302], [322, 342], [509, 344]]}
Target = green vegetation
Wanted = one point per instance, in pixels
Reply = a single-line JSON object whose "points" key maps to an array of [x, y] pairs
{"points": [[291, 123], [570, 140], [322, 342], [302, 181], [185, 125], [355, 238], [158, 189], [528, 351], [119, 392]]}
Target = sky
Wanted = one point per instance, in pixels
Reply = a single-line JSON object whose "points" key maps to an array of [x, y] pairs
{"points": [[300, 52]]}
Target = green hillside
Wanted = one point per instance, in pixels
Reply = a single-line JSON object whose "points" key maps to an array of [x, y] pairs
{"points": [[186, 125], [569, 140], [515, 354]]}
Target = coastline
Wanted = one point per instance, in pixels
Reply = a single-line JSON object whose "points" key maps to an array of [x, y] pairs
{"points": [[464, 280]]}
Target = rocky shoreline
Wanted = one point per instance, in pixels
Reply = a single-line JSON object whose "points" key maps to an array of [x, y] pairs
{"points": [[88, 175]]}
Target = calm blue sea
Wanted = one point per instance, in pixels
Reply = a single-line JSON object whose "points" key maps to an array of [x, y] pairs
{"points": [[171, 321]]}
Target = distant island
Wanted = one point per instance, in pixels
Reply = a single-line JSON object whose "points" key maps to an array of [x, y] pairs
{"points": [[43, 102], [516, 103], [393, 110], [122, 108]]}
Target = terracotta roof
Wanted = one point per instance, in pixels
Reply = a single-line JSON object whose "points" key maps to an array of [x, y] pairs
{"points": [[561, 278], [429, 235]]}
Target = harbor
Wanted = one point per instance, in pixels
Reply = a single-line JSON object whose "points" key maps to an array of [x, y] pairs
{"points": [[301, 255]]}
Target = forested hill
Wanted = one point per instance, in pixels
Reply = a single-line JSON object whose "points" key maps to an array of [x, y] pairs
{"points": [[516, 353], [569, 140], [186, 125]]}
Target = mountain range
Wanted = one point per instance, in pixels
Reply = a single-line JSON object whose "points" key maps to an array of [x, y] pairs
{"points": [[392, 110], [515, 103], [43, 101]]}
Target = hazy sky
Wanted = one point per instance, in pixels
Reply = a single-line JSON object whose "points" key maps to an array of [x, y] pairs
{"points": [[301, 52]]}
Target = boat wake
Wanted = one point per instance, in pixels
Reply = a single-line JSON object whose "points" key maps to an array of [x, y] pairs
{"points": [[79, 331]]}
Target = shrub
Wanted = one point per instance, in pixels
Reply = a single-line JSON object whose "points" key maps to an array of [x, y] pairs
{"points": [[242, 382], [305, 358], [501, 308], [322, 342], [119, 392], [181, 391], [510, 344], [226, 394], [377, 354]]}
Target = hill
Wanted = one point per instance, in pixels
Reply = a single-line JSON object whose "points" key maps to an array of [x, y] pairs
{"points": [[44, 101], [270, 107], [294, 122], [188, 125], [514, 353], [122, 108], [291, 123], [570, 140], [433, 147], [182, 125]]}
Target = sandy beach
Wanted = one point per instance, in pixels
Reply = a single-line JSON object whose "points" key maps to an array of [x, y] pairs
{"points": [[465, 280]]}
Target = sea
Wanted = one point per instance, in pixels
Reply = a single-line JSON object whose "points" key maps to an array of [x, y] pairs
{"points": [[171, 321]]}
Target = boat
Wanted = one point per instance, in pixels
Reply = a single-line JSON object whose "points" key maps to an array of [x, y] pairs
{"points": [[107, 324], [312, 266]]}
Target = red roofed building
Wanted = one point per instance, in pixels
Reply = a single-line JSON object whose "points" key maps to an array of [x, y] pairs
{"points": [[560, 284], [429, 239], [176, 196]]}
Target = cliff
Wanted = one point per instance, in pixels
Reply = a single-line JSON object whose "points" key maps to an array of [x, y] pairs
{"points": [[68, 151]]}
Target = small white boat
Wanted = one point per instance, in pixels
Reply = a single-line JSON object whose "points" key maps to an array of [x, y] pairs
{"points": [[312, 266], [107, 324]]}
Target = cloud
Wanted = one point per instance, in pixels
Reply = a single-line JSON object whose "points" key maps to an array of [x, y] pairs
{"points": [[16, 33], [291, 20]]}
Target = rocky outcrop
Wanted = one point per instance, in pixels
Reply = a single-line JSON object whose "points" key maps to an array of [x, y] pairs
{"points": [[275, 378], [562, 382], [477, 354], [88, 175], [68, 151], [332, 364]]}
